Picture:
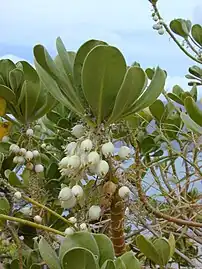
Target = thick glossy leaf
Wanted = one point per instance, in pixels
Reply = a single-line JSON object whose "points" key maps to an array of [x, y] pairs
{"points": [[148, 145], [29, 72], [163, 248], [193, 110], [4, 206], [133, 84], [148, 249], [79, 258], [194, 92], [177, 90], [196, 32], [150, 72], [79, 240], [53, 116], [190, 124], [102, 75], [175, 98], [14, 180], [108, 265], [7, 93], [130, 261], [196, 71], [14, 264], [48, 254], [152, 92], [15, 79], [2, 106], [181, 27], [105, 247], [52, 171], [120, 264], [6, 66], [80, 57], [157, 109], [171, 241]]}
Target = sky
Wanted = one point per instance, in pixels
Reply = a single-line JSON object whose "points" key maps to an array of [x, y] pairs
{"points": [[125, 24]]}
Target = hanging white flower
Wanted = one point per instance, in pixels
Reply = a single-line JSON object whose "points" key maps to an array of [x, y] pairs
{"points": [[72, 220], [74, 161], [102, 168], [93, 157], [65, 194], [68, 204], [38, 219], [35, 153], [77, 191], [86, 145], [94, 212], [29, 155], [69, 231], [124, 152], [39, 168], [14, 148], [78, 130], [83, 227], [108, 149], [29, 132], [22, 151], [124, 192], [70, 148], [17, 195], [64, 162]]}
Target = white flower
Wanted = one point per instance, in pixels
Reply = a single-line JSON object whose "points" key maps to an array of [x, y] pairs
{"points": [[43, 145], [29, 166], [157, 26], [74, 161], [21, 160], [21, 237], [94, 212], [65, 194], [15, 159], [77, 191], [35, 153], [78, 130], [72, 220], [108, 149], [86, 145], [69, 231], [155, 18], [83, 226], [93, 157], [14, 148], [102, 168], [84, 160], [38, 219], [5, 139], [29, 132], [29, 155], [124, 191], [64, 162], [39, 168], [124, 152], [69, 203], [70, 148], [27, 211], [161, 31], [23, 151], [17, 195]]}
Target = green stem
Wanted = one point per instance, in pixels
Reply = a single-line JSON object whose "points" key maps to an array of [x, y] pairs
{"points": [[32, 224]]}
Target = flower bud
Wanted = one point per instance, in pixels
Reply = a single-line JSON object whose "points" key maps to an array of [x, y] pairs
{"points": [[29, 132], [29, 155], [21, 160], [17, 195], [86, 145], [108, 149], [77, 191], [93, 157], [94, 212], [69, 231], [14, 148], [38, 219], [83, 226], [15, 159], [23, 151], [30, 166], [65, 194], [102, 168], [72, 220], [155, 18], [161, 31], [68, 204], [39, 168], [70, 148], [78, 130], [35, 153], [64, 162], [124, 191], [124, 152]]}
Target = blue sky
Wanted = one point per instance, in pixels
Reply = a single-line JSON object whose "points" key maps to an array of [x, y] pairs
{"points": [[125, 24]]}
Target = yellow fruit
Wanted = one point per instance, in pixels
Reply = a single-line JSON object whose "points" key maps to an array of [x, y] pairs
{"points": [[2, 106], [4, 128]]}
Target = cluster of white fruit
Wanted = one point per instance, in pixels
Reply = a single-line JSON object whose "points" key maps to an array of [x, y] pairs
{"points": [[84, 154], [70, 230], [68, 197], [158, 24], [24, 156]]}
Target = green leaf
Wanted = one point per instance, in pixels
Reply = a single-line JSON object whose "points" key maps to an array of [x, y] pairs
{"points": [[171, 241], [79, 258], [150, 73], [7, 93], [79, 60], [14, 264], [193, 110], [152, 92], [103, 72], [163, 248], [15, 79], [120, 264], [130, 261], [79, 240], [4, 206], [25, 176], [133, 85], [108, 265], [196, 71], [35, 266], [52, 171], [48, 254], [194, 92], [181, 27], [157, 109], [14, 180], [6, 66], [190, 124], [175, 98], [177, 90], [196, 32], [53, 116], [105, 246], [148, 145], [148, 249]]}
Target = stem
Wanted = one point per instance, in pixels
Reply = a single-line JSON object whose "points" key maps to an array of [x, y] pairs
{"points": [[32, 224], [174, 38]]}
